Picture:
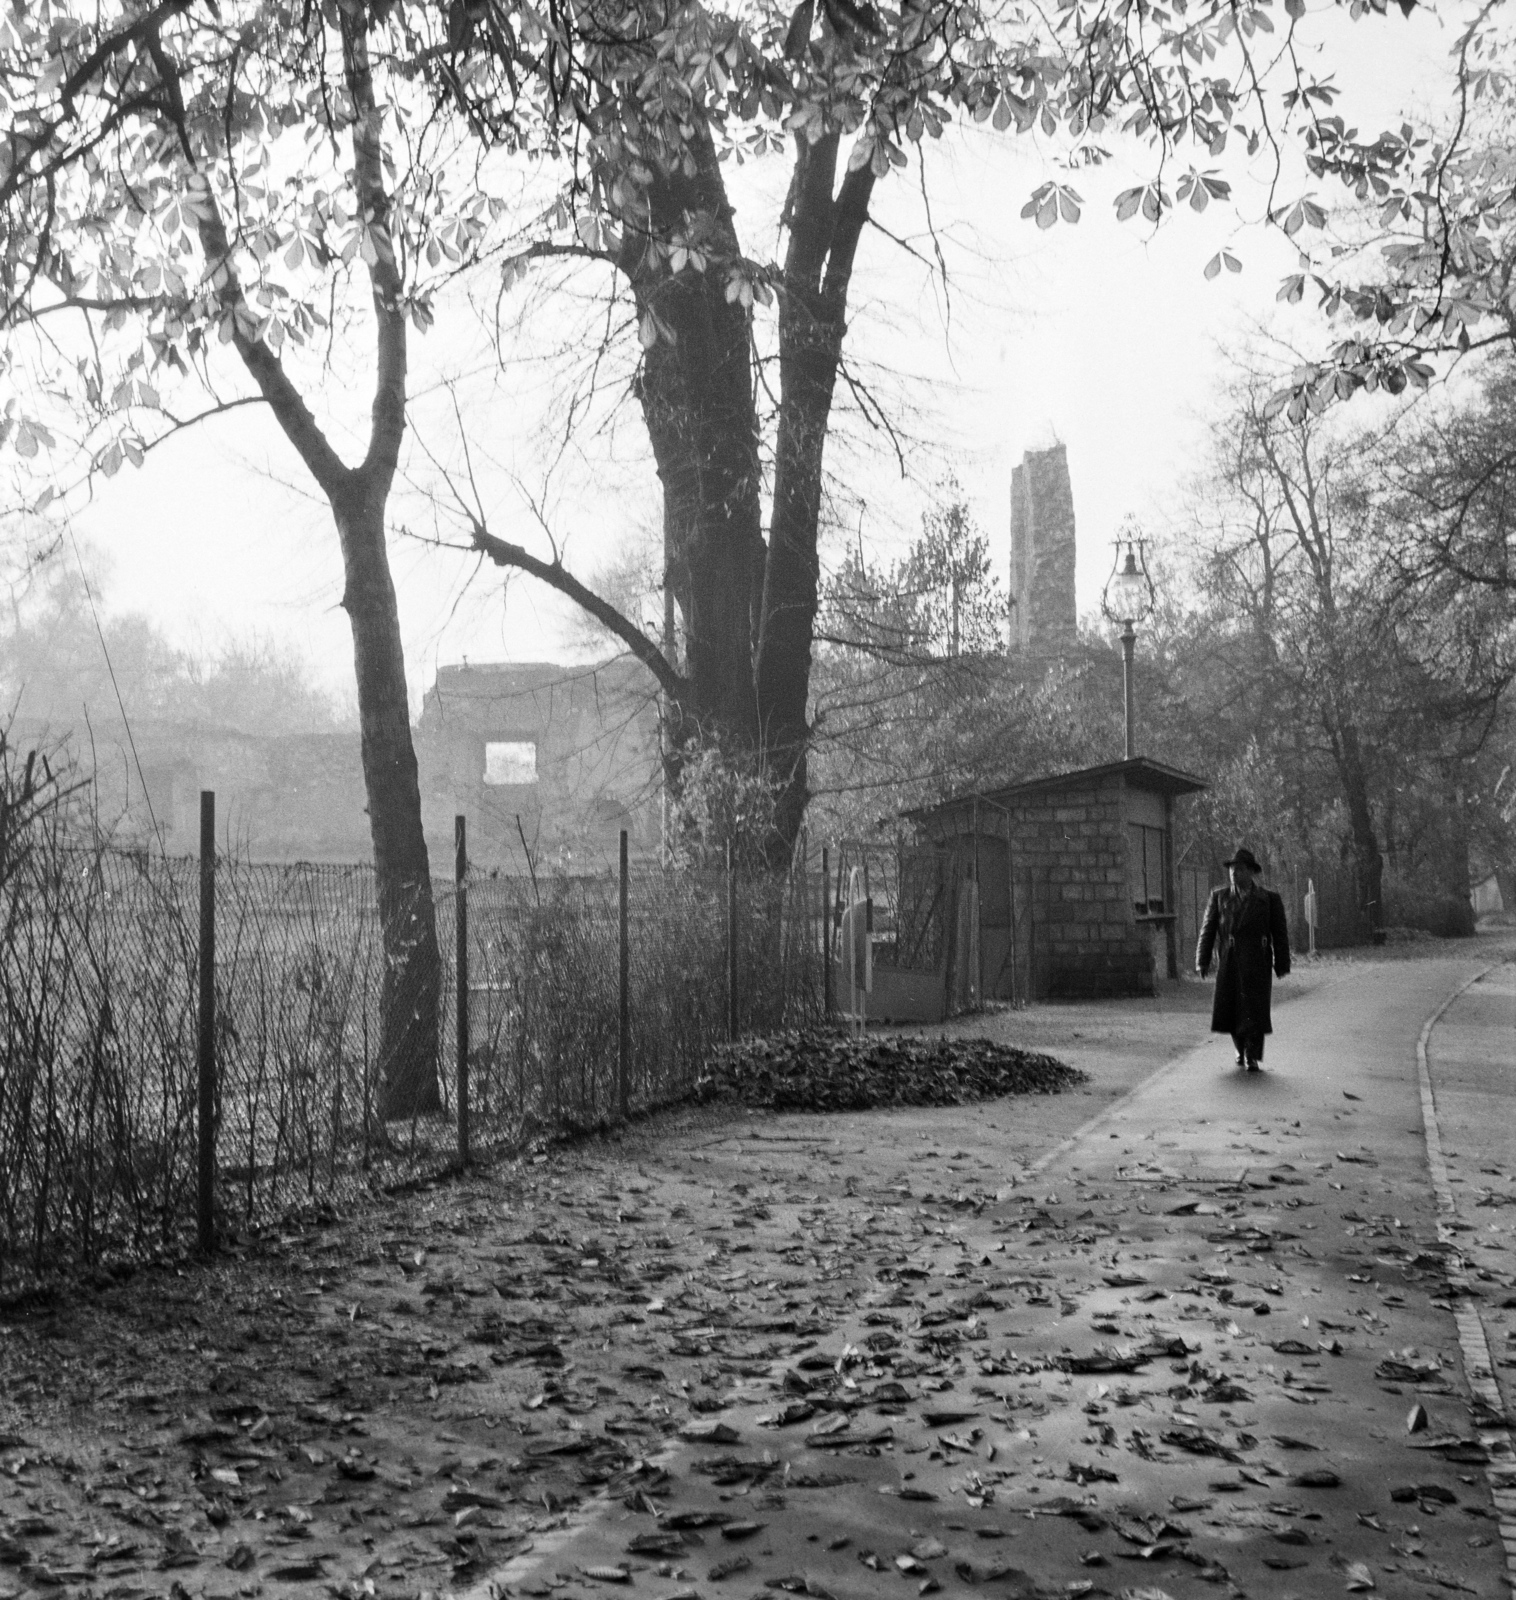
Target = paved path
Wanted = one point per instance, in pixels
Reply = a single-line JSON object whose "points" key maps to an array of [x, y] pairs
{"points": [[1468, 1066], [1180, 1356]]}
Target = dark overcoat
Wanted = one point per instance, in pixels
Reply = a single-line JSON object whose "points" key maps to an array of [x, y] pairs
{"points": [[1250, 940]]}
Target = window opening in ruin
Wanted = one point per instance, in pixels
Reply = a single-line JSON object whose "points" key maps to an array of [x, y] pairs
{"points": [[508, 761]]}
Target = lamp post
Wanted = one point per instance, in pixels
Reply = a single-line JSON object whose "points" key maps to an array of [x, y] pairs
{"points": [[1126, 600]]}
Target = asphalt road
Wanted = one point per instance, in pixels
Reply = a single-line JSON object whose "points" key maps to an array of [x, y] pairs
{"points": [[1471, 1067], [1207, 1344]]}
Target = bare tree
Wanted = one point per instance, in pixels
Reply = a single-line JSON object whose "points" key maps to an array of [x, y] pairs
{"points": [[1453, 487], [1323, 651]]}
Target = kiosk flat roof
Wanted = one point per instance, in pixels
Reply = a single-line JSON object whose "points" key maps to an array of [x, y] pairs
{"points": [[1140, 773]]}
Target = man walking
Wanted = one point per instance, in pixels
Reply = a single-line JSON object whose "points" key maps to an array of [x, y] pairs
{"points": [[1245, 930]]}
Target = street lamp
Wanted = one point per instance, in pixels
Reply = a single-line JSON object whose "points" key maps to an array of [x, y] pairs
{"points": [[1127, 599]]}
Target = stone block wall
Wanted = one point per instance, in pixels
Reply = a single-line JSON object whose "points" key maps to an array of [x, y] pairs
{"points": [[1074, 911]]}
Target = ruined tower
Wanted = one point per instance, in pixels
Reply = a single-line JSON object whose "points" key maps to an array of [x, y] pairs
{"points": [[1043, 619]]}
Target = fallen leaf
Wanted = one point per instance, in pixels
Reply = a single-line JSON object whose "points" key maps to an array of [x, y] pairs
{"points": [[845, 1441], [710, 1433], [696, 1519], [309, 1567], [656, 1544]]}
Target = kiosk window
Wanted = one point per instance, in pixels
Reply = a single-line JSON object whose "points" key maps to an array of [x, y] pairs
{"points": [[1146, 851]]}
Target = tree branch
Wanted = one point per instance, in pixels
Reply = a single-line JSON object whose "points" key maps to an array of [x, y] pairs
{"points": [[848, 217], [388, 425], [556, 576], [113, 44], [809, 211], [267, 370]]}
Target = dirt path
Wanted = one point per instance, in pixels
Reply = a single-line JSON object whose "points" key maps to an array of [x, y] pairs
{"points": [[457, 1387]]}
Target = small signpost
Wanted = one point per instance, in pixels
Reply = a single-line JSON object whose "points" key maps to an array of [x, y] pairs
{"points": [[205, 1055], [855, 941]]}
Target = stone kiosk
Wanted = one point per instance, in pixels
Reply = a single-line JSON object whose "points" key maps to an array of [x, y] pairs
{"points": [[1077, 888]]}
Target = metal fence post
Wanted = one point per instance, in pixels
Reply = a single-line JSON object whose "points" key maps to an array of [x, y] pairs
{"points": [[624, 994], [460, 917], [206, 1041], [731, 942], [826, 933]]}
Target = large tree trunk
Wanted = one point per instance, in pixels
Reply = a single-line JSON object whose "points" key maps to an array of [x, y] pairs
{"points": [[824, 234], [1456, 873], [749, 611], [748, 608], [696, 388], [409, 995], [1368, 863]]}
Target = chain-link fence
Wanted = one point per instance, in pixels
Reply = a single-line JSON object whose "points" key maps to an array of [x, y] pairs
{"points": [[97, 1134], [99, 979]]}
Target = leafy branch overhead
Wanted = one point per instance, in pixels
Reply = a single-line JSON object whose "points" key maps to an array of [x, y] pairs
{"points": [[1427, 269], [185, 178], [133, 131]]}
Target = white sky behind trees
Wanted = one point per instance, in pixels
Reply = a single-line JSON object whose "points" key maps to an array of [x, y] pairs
{"points": [[1105, 336]]}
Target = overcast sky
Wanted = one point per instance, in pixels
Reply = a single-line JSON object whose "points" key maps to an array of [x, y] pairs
{"points": [[1103, 336]]}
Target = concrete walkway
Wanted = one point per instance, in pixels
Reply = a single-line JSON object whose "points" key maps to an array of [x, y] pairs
{"points": [[1207, 1345]]}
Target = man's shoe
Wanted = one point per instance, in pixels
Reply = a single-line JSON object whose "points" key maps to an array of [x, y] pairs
{"points": [[1253, 1065], [1241, 1059]]}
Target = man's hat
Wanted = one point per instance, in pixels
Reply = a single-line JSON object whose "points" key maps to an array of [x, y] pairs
{"points": [[1244, 858]]}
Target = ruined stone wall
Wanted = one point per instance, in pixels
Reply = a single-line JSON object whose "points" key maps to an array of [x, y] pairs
{"points": [[1044, 619], [303, 797], [595, 733], [278, 797]]}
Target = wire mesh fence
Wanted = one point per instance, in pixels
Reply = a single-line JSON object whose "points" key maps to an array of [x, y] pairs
{"points": [[99, 975]]}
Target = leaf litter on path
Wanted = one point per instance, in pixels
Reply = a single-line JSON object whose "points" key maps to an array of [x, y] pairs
{"points": [[931, 1319]]}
